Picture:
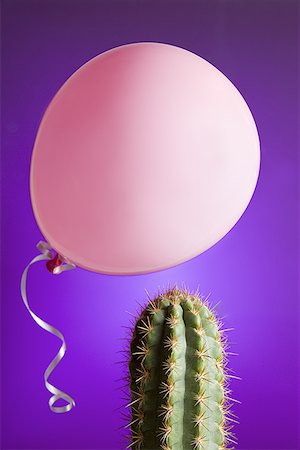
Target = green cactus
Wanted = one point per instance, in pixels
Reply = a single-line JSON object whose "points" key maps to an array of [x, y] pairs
{"points": [[179, 390]]}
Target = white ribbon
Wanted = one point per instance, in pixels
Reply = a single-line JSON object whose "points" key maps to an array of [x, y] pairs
{"points": [[46, 254]]}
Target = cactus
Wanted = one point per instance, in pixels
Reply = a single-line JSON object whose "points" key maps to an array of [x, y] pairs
{"points": [[179, 389]]}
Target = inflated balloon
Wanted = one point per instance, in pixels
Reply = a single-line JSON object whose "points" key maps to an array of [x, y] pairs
{"points": [[146, 157]]}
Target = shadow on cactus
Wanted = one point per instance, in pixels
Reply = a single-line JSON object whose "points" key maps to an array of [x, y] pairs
{"points": [[178, 381]]}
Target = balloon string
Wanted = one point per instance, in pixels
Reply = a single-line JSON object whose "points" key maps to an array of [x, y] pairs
{"points": [[46, 254]]}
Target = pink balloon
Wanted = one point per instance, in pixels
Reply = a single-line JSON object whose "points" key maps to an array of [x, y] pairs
{"points": [[146, 157]]}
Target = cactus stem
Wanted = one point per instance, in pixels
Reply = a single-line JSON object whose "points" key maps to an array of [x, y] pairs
{"points": [[164, 432], [166, 389], [166, 411], [145, 375], [199, 331], [202, 402], [153, 307], [199, 420], [165, 447], [179, 377], [194, 311], [132, 403], [140, 397], [200, 398], [202, 376], [132, 422], [172, 321], [146, 327], [144, 350], [198, 442], [170, 343], [168, 367], [202, 353], [137, 439]]}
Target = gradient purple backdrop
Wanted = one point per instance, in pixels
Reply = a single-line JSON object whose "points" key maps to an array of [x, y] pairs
{"points": [[253, 270]]}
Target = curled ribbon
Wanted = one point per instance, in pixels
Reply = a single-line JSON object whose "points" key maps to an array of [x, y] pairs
{"points": [[56, 265]]}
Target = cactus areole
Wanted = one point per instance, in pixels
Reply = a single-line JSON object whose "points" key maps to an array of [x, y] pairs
{"points": [[179, 391]]}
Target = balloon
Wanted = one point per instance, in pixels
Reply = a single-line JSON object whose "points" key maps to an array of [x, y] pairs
{"points": [[146, 157]]}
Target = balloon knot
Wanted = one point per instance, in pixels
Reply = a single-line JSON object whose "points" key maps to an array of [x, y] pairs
{"points": [[54, 264]]}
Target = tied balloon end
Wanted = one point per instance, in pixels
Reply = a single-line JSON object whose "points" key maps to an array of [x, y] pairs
{"points": [[54, 264]]}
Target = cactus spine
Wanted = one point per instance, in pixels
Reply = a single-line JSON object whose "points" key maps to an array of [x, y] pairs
{"points": [[178, 386]]}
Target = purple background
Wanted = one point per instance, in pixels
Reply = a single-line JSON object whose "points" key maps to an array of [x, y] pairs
{"points": [[253, 270]]}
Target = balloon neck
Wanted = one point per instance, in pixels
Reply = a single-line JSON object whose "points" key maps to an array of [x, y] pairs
{"points": [[54, 264]]}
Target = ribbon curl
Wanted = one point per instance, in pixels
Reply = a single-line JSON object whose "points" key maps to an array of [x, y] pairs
{"points": [[56, 265]]}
